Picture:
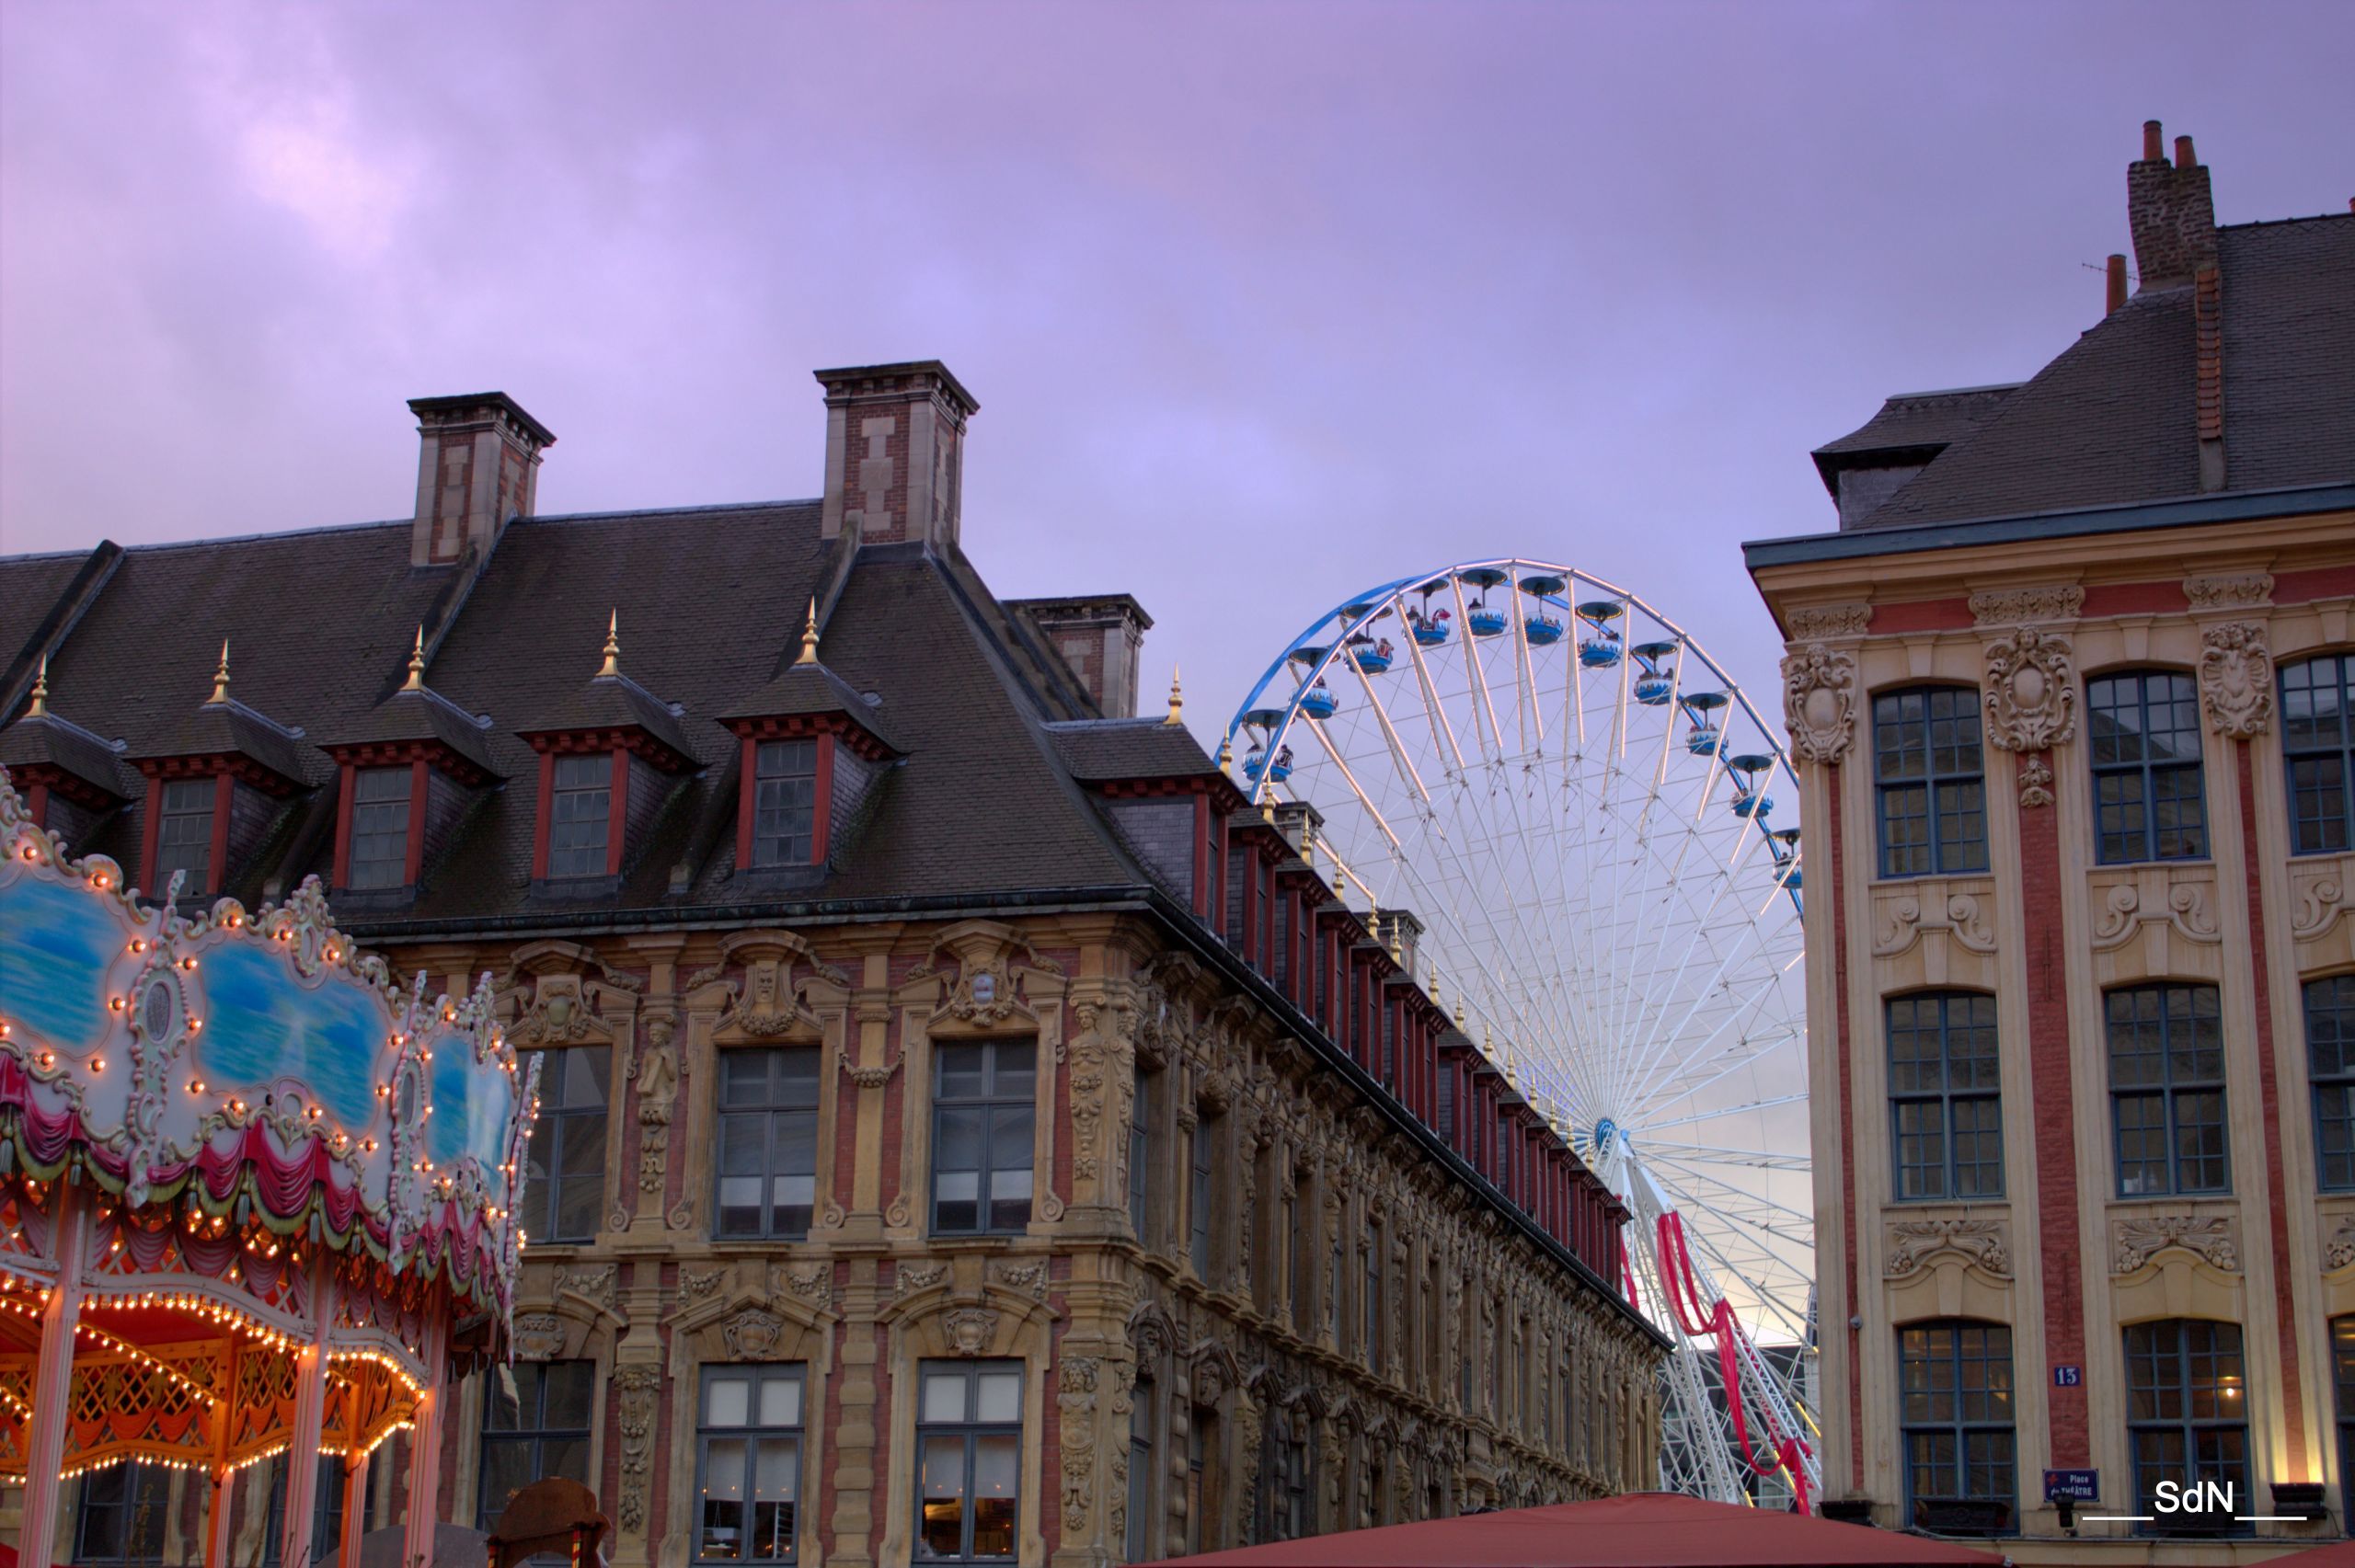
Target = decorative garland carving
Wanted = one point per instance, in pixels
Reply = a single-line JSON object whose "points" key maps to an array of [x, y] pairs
{"points": [[695, 1284], [814, 1282], [2236, 680], [2013, 606], [1812, 623], [2133, 1241], [1820, 701], [597, 1286], [915, 1276], [2245, 591], [638, 1382], [1912, 1242]]}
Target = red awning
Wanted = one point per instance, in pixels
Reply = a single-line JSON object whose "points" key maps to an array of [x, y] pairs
{"points": [[1646, 1530]]}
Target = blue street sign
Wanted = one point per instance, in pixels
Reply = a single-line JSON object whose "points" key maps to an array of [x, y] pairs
{"points": [[2068, 1377], [2077, 1485]]}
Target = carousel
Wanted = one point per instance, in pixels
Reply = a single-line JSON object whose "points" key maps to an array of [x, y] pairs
{"points": [[254, 1201]]}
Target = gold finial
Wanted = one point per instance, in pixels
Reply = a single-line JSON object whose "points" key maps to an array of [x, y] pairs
{"points": [[1268, 812], [1434, 990], [415, 682], [1177, 699], [808, 654], [221, 677], [1225, 752], [1396, 955], [612, 665], [1459, 1015], [41, 690]]}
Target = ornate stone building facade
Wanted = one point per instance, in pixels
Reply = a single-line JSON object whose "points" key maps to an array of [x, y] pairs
{"points": [[2070, 693], [967, 1132]]}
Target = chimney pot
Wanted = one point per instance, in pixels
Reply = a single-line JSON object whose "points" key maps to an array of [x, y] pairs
{"points": [[1101, 638], [2183, 158], [477, 467], [2153, 142], [2116, 296], [2171, 215]]}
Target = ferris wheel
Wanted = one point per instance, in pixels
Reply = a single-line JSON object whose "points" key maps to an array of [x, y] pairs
{"points": [[1577, 803]]}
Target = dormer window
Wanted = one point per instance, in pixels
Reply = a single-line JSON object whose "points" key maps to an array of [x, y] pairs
{"points": [[784, 805], [184, 833], [380, 827], [581, 815]]}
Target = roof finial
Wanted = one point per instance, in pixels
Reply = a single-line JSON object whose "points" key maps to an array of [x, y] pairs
{"points": [[1225, 752], [41, 689], [1459, 1013], [415, 682], [612, 665], [220, 678], [1177, 699], [808, 654], [1396, 956]]}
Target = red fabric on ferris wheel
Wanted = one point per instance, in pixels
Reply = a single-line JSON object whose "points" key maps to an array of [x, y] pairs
{"points": [[1643, 1529]]}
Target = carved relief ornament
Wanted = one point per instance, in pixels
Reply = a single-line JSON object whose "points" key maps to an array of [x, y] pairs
{"points": [[1812, 623], [2208, 1236], [2236, 680], [2124, 911], [2242, 590], [638, 1383], [1820, 701], [1912, 1242], [1901, 922], [2015, 606], [2031, 702]]}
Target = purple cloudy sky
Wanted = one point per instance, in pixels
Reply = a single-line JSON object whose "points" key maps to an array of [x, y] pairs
{"points": [[1262, 303]]}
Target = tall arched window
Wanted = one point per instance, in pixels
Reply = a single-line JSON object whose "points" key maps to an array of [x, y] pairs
{"points": [[1956, 1421], [2318, 752], [2342, 1378], [2330, 1067], [2144, 730], [2187, 1415], [1929, 781]]}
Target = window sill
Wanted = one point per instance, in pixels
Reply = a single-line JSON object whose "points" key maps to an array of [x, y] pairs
{"points": [[2192, 859]]}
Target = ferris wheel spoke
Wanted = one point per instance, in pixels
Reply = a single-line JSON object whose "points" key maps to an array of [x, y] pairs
{"points": [[1722, 1112]]}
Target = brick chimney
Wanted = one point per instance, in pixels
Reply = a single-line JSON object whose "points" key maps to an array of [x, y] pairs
{"points": [[1100, 638], [477, 467], [895, 451], [2169, 211]]}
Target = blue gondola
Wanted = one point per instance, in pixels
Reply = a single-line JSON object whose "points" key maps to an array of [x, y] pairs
{"points": [[1484, 620], [1543, 630], [1785, 844], [1318, 702], [1600, 649], [1749, 799], [1256, 764], [1653, 687], [1706, 735], [1432, 631], [1371, 657]]}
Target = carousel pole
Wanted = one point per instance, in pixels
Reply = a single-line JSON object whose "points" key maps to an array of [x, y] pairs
{"points": [[52, 1378], [425, 1446], [310, 1415], [216, 1517], [355, 1509]]}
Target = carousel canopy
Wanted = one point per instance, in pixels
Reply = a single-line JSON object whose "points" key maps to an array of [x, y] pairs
{"points": [[248, 1064]]}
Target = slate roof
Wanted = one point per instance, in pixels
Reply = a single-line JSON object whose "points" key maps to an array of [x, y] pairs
{"points": [[981, 806], [61, 743], [613, 702], [1927, 422], [2112, 421], [809, 690], [1100, 750]]}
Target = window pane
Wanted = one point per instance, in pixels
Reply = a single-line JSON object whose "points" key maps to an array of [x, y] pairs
{"points": [[941, 1489], [781, 1402], [944, 1397], [723, 1498], [963, 1072], [996, 1475], [998, 1396], [728, 1401], [1015, 1070]]}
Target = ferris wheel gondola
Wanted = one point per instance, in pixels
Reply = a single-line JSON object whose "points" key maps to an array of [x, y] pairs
{"points": [[1578, 804]]}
